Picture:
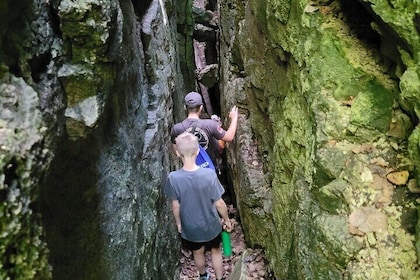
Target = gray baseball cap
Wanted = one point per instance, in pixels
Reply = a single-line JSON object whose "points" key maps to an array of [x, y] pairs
{"points": [[193, 99]]}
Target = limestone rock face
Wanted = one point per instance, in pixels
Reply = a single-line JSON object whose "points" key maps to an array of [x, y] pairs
{"points": [[328, 90], [22, 158], [86, 105]]}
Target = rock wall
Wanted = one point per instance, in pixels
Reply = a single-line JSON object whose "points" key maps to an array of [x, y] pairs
{"points": [[328, 92], [29, 104], [87, 90]]}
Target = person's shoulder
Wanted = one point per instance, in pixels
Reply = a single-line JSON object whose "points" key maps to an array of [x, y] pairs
{"points": [[175, 173], [176, 176], [208, 123], [177, 124], [207, 171], [178, 128], [214, 127]]}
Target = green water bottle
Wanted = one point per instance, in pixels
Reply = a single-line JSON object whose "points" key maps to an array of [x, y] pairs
{"points": [[226, 244]]}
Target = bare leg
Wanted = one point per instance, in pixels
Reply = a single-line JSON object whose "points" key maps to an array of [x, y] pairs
{"points": [[217, 261], [200, 260]]}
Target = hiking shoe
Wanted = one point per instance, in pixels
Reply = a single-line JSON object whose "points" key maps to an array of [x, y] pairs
{"points": [[205, 277]]}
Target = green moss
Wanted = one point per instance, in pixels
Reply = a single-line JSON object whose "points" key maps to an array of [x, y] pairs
{"points": [[372, 108], [414, 151], [332, 197], [4, 70], [322, 56], [260, 10], [86, 27], [83, 81], [418, 233], [410, 85], [185, 28], [333, 71], [399, 16], [23, 253], [78, 88], [338, 245]]}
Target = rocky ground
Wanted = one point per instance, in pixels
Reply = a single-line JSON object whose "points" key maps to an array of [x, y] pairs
{"points": [[253, 263]]}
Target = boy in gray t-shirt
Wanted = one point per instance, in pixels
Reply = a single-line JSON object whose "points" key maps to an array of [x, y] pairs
{"points": [[196, 195]]}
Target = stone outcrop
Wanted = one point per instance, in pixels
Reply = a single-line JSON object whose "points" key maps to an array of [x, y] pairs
{"points": [[323, 88], [86, 93], [22, 246]]}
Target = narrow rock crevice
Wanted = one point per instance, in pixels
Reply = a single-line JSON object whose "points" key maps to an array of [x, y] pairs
{"points": [[244, 262], [364, 25], [207, 72]]}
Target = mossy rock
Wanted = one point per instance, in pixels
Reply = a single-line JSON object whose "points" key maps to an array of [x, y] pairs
{"points": [[414, 151], [372, 107]]}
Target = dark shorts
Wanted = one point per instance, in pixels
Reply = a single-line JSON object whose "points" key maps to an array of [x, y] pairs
{"points": [[189, 245]]}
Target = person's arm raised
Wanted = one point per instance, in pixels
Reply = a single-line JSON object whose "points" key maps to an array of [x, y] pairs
{"points": [[230, 133]]}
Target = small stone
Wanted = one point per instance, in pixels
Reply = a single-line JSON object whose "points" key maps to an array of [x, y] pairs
{"points": [[367, 219], [258, 258], [365, 148], [398, 178], [371, 238], [6, 114], [261, 273], [380, 161], [413, 186], [394, 146], [357, 218], [366, 176], [311, 9], [384, 198], [379, 183], [377, 221], [355, 231], [252, 267]]}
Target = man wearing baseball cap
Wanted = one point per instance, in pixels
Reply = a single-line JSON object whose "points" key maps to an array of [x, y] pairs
{"points": [[207, 130]]}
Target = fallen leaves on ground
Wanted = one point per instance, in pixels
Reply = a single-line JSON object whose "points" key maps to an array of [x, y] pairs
{"points": [[254, 263]]}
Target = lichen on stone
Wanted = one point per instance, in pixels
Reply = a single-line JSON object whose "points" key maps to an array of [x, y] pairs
{"points": [[23, 249]]}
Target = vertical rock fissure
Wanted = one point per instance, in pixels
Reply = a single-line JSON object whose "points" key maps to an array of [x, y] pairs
{"points": [[206, 56]]}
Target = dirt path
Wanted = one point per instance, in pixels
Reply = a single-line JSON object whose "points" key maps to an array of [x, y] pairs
{"points": [[254, 264]]}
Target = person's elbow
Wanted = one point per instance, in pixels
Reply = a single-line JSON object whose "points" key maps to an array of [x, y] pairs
{"points": [[220, 204], [175, 204], [228, 137]]}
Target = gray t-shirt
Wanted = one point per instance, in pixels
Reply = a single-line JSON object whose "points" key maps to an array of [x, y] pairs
{"points": [[196, 192], [208, 132]]}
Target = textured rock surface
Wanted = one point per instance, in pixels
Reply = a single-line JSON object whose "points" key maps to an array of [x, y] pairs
{"points": [[93, 97], [22, 247], [102, 195], [28, 122], [323, 87]]}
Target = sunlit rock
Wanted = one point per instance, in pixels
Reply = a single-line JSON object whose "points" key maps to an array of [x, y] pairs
{"points": [[367, 219], [398, 178], [82, 116]]}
